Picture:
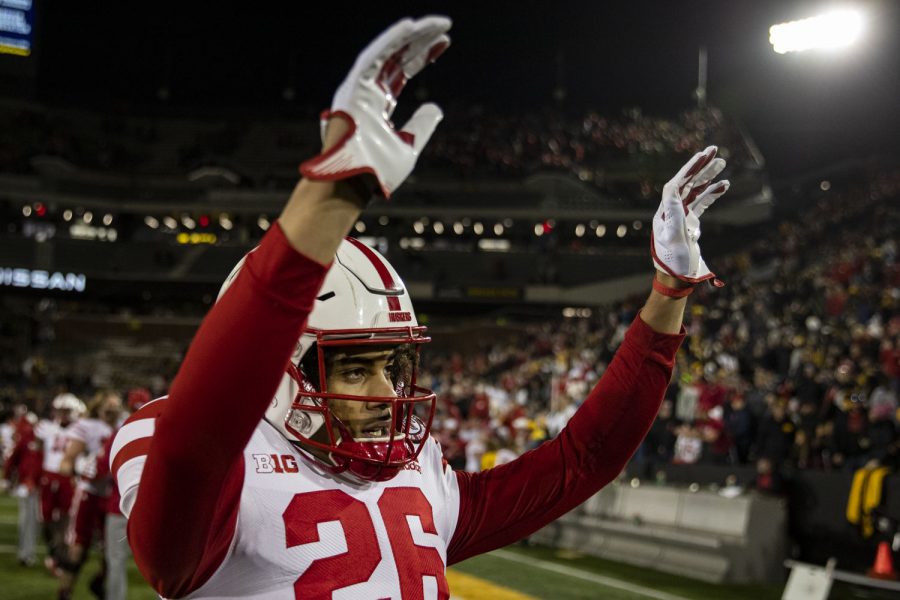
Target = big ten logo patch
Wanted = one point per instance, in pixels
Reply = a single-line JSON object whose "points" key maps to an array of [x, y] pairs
{"points": [[275, 463]]}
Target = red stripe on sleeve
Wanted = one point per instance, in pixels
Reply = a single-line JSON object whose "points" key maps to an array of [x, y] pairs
{"points": [[130, 450], [151, 410]]}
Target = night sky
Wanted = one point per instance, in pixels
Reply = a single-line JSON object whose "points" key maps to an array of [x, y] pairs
{"points": [[804, 110]]}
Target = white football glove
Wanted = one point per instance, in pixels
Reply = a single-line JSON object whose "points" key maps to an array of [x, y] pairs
{"points": [[676, 225], [366, 99]]}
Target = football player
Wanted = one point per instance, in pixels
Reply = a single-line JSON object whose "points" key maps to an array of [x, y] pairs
{"points": [[88, 511], [24, 466], [116, 552], [292, 456], [56, 488]]}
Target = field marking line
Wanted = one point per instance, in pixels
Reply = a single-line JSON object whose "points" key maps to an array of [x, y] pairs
{"points": [[586, 575], [465, 587]]}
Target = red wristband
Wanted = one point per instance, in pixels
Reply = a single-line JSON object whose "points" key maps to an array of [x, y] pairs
{"points": [[671, 292]]}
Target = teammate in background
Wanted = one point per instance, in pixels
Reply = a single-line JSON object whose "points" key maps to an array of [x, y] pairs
{"points": [[115, 537], [23, 467], [292, 459], [56, 488], [7, 430], [86, 439]]}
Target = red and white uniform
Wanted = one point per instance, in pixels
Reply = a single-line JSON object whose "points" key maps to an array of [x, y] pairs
{"points": [[89, 503], [54, 437], [291, 515], [221, 505], [25, 458], [6, 440], [56, 488], [94, 433], [111, 506]]}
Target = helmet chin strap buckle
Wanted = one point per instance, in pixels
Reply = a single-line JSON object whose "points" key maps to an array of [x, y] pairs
{"points": [[301, 421]]}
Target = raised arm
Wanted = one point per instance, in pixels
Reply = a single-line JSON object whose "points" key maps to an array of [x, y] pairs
{"points": [[183, 512], [505, 504]]}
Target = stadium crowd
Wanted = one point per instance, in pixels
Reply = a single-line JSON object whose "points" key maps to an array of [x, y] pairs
{"points": [[474, 143], [796, 362], [479, 143]]}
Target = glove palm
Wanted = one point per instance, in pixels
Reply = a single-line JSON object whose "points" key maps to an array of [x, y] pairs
{"points": [[674, 242], [367, 98]]}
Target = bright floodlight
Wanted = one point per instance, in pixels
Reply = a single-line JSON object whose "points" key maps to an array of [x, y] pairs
{"points": [[833, 30]]}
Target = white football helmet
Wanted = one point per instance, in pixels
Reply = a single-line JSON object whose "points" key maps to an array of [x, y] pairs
{"points": [[361, 302], [69, 402]]}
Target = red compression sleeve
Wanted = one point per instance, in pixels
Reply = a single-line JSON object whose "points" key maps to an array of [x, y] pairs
{"points": [[504, 504], [186, 508]]}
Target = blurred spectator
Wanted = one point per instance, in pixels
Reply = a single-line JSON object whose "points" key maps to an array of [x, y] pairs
{"points": [[739, 425], [776, 434], [659, 444]]}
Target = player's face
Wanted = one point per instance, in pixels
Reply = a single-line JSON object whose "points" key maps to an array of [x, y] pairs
{"points": [[363, 372], [111, 409], [64, 416]]}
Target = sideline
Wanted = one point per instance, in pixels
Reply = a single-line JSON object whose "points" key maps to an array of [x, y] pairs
{"points": [[466, 587], [585, 575]]}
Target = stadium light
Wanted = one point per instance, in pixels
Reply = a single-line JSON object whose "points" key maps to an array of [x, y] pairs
{"points": [[833, 30]]}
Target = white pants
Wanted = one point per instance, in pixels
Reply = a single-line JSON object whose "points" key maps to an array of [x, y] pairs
{"points": [[117, 555], [28, 524]]}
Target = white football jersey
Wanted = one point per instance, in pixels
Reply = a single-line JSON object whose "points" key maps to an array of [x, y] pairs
{"points": [[6, 440], [54, 438], [94, 433], [304, 533]]}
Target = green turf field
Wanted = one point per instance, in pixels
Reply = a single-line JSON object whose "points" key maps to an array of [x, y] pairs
{"points": [[534, 572]]}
